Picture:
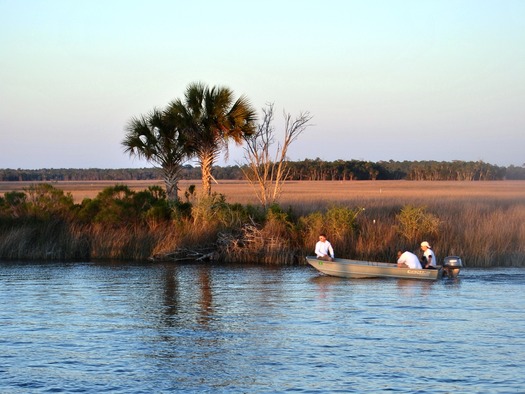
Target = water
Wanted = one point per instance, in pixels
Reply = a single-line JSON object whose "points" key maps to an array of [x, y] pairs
{"points": [[143, 328]]}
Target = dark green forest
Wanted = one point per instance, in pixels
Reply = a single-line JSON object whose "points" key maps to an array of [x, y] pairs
{"points": [[308, 170]]}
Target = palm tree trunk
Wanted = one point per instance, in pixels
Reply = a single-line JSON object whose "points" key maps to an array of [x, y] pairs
{"points": [[206, 162], [171, 181]]}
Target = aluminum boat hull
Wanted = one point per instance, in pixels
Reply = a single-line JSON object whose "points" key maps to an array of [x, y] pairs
{"points": [[346, 268]]}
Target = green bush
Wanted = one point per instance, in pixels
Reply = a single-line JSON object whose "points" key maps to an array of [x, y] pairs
{"points": [[279, 223], [13, 205], [214, 211], [338, 223], [37, 202], [414, 223]]}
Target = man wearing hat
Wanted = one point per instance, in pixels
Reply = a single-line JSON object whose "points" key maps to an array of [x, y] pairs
{"points": [[429, 258]]}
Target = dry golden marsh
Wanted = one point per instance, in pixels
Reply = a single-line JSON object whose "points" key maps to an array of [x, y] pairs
{"points": [[321, 193]]}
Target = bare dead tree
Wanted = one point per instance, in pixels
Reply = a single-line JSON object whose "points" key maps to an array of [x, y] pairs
{"points": [[267, 174]]}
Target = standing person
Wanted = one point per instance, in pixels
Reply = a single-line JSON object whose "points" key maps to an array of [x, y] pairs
{"points": [[407, 260], [429, 258], [323, 249]]}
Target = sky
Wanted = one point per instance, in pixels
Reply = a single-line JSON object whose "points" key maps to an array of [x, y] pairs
{"points": [[383, 79]]}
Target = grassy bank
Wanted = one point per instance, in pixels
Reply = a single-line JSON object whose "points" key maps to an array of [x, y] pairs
{"points": [[483, 222]]}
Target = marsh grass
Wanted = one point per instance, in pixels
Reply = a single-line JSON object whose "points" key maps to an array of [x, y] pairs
{"points": [[52, 240], [483, 222]]}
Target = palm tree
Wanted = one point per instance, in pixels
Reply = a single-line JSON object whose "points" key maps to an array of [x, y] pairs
{"points": [[156, 138], [211, 117]]}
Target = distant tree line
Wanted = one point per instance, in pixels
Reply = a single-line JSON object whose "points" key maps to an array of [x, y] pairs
{"points": [[188, 172], [341, 170], [310, 170]]}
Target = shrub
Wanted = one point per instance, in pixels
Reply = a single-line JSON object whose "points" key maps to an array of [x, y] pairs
{"points": [[338, 223], [44, 202], [213, 210], [13, 205], [414, 223]]}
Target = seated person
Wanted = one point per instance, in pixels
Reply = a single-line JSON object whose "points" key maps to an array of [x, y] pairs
{"points": [[429, 258], [407, 260], [324, 249]]}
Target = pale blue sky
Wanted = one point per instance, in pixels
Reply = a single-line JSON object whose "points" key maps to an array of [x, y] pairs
{"points": [[401, 80]]}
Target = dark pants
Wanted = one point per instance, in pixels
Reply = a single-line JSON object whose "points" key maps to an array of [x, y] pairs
{"points": [[324, 258]]}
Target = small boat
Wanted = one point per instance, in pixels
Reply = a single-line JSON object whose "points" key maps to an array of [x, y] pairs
{"points": [[346, 268]]}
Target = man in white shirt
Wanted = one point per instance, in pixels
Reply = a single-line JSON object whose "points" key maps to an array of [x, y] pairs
{"points": [[428, 255], [323, 249], [408, 260]]}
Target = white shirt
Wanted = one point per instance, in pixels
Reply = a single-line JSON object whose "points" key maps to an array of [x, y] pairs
{"points": [[427, 253], [324, 248], [409, 259]]}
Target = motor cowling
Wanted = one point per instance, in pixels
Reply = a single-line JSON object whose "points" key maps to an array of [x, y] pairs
{"points": [[451, 266]]}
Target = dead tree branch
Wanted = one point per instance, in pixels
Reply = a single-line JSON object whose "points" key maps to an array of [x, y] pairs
{"points": [[265, 174]]}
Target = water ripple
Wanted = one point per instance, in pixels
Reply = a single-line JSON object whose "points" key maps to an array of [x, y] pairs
{"points": [[142, 328]]}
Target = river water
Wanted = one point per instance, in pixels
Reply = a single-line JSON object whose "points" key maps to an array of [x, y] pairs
{"points": [[143, 328]]}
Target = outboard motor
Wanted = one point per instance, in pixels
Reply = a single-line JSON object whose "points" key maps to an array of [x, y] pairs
{"points": [[451, 266]]}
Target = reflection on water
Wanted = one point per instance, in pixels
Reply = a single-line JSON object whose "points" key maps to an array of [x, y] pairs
{"points": [[325, 284], [206, 298], [171, 295], [166, 327], [417, 290]]}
